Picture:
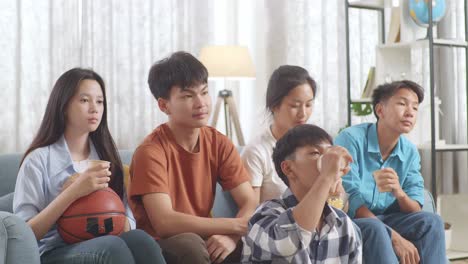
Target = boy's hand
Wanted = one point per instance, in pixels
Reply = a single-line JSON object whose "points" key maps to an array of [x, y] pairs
{"points": [[404, 249], [337, 188], [389, 179], [239, 225], [335, 162], [220, 246]]}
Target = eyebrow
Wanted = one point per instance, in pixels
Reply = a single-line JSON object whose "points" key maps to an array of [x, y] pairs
{"points": [[324, 145], [321, 146], [190, 89], [86, 94], [408, 100], [300, 101]]}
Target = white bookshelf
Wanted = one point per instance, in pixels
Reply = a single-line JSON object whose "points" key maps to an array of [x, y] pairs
{"points": [[369, 4], [450, 42], [362, 100], [425, 42], [444, 147], [454, 210], [456, 255]]}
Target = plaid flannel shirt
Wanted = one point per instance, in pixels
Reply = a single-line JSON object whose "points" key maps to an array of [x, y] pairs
{"points": [[275, 237]]}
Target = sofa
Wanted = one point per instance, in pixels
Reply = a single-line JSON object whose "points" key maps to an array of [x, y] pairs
{"points": [[224, 205], [9, 164], [15, 252]]}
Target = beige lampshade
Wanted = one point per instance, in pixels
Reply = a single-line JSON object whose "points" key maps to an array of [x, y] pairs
{"points": [[227, 62]]}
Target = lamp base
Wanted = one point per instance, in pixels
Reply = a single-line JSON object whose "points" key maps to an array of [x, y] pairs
{"points": [[231, 115]]}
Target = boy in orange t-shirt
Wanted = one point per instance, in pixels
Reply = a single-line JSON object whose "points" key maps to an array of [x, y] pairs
{"points": [[175, 170]]}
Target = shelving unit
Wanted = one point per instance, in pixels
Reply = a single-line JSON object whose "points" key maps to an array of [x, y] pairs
{"points": [[367, 6], [396, 60], [451, 44], [362, 100]]}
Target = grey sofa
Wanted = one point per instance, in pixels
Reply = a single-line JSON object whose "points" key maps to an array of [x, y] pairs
{"points": [[9, 164], [224, 205]]}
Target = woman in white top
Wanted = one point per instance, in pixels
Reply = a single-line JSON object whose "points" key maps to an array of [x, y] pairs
{"points": [[289, 99], [74, 130]]}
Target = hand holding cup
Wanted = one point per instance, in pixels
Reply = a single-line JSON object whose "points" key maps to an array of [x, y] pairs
{"points": [[335, 159], [96, 176], [386, 180]]}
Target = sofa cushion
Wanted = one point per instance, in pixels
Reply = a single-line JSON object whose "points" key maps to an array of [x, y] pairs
{"points": [[10, 167], [224, 205], [6, 203], [126, 156]]}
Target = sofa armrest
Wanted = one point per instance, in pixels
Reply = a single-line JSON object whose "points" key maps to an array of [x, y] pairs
{"points": [[429, 205], [6, 203]]}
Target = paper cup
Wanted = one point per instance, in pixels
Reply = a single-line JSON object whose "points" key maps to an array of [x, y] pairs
{"points": [[94, 163], [343, 164]]}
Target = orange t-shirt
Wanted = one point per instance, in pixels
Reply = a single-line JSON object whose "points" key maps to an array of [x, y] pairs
{"points": [[161, 165]]}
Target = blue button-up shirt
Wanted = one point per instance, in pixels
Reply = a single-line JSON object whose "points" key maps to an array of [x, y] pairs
{"points": [[362, 143], [275, 237], [40, 180]]}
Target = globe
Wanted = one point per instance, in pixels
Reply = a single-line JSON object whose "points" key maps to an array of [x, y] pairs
{"points": [[419, 11]]}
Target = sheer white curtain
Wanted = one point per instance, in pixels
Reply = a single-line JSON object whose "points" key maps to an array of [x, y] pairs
{"points": [[310, 34], [121, 39]]}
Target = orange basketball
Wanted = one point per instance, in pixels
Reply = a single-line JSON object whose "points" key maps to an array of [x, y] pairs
{"points": [[97, 214]]}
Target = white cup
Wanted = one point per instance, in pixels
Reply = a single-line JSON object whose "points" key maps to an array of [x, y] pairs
{"points": [[94, 163], [343, 164]]}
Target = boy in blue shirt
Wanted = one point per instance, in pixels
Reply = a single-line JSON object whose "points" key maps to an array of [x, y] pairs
{"points": [[385, 184]]}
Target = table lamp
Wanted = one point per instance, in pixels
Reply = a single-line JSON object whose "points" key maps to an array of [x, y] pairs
{"points": [[228, 63]]}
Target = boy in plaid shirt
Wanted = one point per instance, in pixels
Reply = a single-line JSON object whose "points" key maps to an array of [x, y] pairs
{"points": [[300, 227]]}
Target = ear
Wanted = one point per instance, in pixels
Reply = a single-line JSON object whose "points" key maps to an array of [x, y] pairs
{"points": [[274, 109], [379, 109], [163, 105], [286, 167]]}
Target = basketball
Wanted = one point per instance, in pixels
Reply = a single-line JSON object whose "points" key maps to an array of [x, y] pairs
{"points": [[97, 214]]}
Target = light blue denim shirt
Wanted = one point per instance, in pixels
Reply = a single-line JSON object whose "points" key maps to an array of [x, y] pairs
{"points": [[40, 180], [362, 143]]}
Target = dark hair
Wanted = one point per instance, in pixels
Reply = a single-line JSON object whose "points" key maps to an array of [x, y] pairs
{"points": [[384, 91], [53, 123], [296, 137], [180, 69], [283, 80]]}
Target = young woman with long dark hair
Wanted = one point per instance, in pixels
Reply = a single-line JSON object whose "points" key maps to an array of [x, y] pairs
{"points": [[74, 130]]}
